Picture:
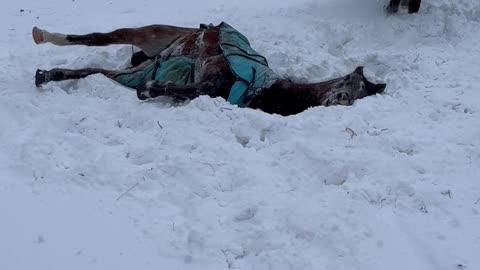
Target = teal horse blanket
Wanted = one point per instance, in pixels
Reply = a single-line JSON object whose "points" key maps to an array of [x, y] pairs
{"points": [[249, 67]]}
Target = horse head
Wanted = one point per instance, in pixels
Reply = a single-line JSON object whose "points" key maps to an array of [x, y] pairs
{"points": [[345, 90]]}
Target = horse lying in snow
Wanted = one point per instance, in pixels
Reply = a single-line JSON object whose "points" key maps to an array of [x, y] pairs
{"points": [[217, 61]]}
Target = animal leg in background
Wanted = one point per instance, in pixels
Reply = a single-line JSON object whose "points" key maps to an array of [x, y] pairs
{"points": [[414, 6], [393, 6]]}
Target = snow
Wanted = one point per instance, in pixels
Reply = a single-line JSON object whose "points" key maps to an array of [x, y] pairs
{"points": [[92, 178]]}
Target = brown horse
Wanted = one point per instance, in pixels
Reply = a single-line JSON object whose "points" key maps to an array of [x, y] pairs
{"points": [[211, 71], [412, 5]]}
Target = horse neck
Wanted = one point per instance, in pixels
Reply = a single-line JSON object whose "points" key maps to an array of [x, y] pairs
{"points": [[286, 98]]}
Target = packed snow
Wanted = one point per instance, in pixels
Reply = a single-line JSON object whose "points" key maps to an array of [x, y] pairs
{"points": [[92, 178]]}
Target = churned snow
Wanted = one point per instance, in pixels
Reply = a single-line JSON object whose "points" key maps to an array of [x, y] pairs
{"points": [[92, 178]]}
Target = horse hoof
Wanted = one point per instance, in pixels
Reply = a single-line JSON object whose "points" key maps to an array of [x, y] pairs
{"points": [[143, 93], [391, 9], [37, 35], [413, 9], [40, 77]]}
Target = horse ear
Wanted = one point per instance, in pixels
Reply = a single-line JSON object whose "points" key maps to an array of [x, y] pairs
{"points": [[373, 88], [359, 70]]}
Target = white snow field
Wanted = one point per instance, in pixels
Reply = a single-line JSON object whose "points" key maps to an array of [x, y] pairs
{"points": [[92, 178]]}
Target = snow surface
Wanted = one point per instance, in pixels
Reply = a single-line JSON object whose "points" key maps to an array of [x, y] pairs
{"points": [[92, 178]]}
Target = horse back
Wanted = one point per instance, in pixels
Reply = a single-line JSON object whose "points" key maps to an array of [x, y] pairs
{"points": [[202, 44]]}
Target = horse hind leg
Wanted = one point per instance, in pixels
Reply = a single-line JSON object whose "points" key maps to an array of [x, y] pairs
{"points": [[59, 74], [151, 39]]}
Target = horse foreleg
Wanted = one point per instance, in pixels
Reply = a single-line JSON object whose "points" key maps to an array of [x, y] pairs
{"points": [[59, 74], [151, 39], [154, 89]]}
